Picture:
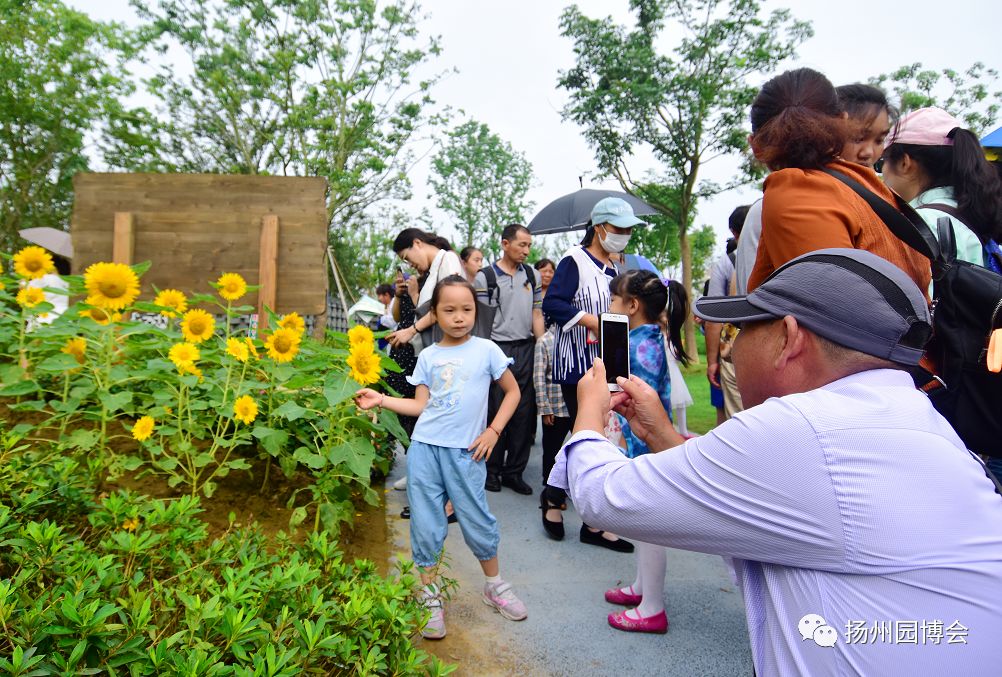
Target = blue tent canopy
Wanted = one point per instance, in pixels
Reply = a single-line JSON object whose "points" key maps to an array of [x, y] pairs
{"points": [[993, 139]]}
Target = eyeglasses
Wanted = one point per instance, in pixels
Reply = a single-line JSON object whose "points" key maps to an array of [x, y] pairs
{"points": [[878, 166]]}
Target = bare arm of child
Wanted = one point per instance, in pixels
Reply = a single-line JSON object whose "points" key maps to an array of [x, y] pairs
{"points": [[366, 399], [484, 444]]}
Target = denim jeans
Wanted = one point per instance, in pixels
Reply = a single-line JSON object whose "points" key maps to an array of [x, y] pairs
{"points": [[438, 474]]}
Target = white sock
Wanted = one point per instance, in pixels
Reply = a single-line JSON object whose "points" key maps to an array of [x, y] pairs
{"points": [[494, 580], [430, 590], [652, 561]]}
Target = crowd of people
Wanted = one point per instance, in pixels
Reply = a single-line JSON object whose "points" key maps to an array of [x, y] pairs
{"points": [[830, 485]]}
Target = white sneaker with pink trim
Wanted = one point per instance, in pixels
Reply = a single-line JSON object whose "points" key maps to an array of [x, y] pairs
{"points": [[503, 599]]}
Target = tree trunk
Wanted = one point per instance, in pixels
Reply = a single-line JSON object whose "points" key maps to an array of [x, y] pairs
{"points": [[685, 252]]}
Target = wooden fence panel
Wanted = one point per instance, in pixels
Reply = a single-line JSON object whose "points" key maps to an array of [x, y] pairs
{"points": [[194, 227]]}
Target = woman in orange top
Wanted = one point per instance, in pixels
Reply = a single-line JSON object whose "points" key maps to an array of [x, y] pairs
{"points": [[798, 128]]}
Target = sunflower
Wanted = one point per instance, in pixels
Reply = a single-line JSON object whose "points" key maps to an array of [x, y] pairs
{"points": [[231, 286], [364, 363], [245, 409], [143, 428], [360, 335], [183, 355], [100, 316], [282, 345], [237, 349], [77, 347], [111, 286], [172, 298], [293, 321], [250, 346], [29, 297], [189, 368], [197, 325], [33, 262]]}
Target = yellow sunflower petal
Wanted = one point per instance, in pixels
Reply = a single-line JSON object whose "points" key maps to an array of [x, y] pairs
{"points": [[172, 298], [33, 262], [245, 409], [197, 325], [364, 364], [237, 349], [77, 347], [111, 286], [293, 321], [283, 344], [231, 286], [143, 428], [29, 297]]}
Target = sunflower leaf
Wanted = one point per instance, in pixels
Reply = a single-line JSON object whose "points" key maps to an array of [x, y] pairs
{"points": [[290, 411]]}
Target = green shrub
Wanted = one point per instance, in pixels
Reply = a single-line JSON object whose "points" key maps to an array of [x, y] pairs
{"points": [[134, 586]]}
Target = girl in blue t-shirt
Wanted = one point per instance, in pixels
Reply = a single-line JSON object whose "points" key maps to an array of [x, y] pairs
{"points": [[643, 297], [450, 444]]}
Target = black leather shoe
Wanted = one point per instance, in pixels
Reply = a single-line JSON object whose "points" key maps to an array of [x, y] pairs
{"points": [[517, 484], [493, 483], [595, 538], [554, 530]]}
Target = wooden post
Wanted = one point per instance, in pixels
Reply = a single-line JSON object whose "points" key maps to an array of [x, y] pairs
{"points": [[124, 240], [267, 270]]}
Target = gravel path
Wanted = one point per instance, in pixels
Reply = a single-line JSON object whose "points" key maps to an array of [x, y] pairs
{"points": [[562, 584]]}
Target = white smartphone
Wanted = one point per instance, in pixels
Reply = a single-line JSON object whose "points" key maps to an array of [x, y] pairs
{"points": [[614, 347]]}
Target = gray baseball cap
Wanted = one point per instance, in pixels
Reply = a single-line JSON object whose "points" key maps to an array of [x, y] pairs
{"points": [[848, 296]]}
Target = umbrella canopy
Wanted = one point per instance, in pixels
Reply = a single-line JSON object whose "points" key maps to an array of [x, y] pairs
{"points": [[55, 240], [573, 211]]}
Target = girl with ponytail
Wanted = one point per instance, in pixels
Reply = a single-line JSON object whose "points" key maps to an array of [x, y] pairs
{"points": [[940, 168], [644, 299]]}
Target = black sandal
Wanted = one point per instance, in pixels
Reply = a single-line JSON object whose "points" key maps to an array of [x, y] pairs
{"points": [[406, 514], [554, 530]]}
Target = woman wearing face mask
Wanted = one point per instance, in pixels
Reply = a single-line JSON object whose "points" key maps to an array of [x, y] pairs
{"points": [[578, 294]]}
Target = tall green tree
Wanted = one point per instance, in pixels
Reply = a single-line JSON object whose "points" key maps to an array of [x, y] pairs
{"points": [[481, 180], [292, 87], [62, 77], [972, 95], [686, 107]]}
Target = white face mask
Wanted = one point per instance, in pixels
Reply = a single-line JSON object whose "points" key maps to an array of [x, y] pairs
{"points": [[614, 243]]}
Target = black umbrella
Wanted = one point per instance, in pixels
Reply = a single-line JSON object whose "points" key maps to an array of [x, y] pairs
{"points": [[572, 211]]}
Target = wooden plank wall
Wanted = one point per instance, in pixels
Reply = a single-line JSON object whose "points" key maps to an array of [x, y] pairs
{"points": [[194, 227]]}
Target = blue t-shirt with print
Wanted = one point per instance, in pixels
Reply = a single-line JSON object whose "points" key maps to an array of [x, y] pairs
{"points": [[458, 380]]}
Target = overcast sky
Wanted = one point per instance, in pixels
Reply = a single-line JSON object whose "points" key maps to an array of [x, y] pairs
{"points": [[508, 56]]}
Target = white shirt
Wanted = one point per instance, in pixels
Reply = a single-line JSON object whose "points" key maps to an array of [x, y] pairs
{"points": [[445, 263], [855, 501]]}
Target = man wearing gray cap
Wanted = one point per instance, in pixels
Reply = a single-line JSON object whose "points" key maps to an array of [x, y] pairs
{"points": [[865, 537]]}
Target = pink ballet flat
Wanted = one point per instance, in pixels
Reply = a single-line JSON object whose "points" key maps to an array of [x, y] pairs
{"points": [[658, 623], [617, 596]]}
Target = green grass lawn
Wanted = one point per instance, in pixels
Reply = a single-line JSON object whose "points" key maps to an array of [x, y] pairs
{"points": [[700, 417]]}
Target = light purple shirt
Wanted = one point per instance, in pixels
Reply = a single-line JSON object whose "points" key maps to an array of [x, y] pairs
{"points": [[856, 502]]}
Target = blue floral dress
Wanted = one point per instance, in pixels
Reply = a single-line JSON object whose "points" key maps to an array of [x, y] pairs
{"points": [[649, 362]]}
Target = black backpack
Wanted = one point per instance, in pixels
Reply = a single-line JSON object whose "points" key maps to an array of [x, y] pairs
{"points": [[486, 311], [966, 308]]}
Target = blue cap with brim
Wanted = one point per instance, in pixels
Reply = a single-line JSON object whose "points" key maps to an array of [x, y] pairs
{"points": [[848, 296], [614, 210]]}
